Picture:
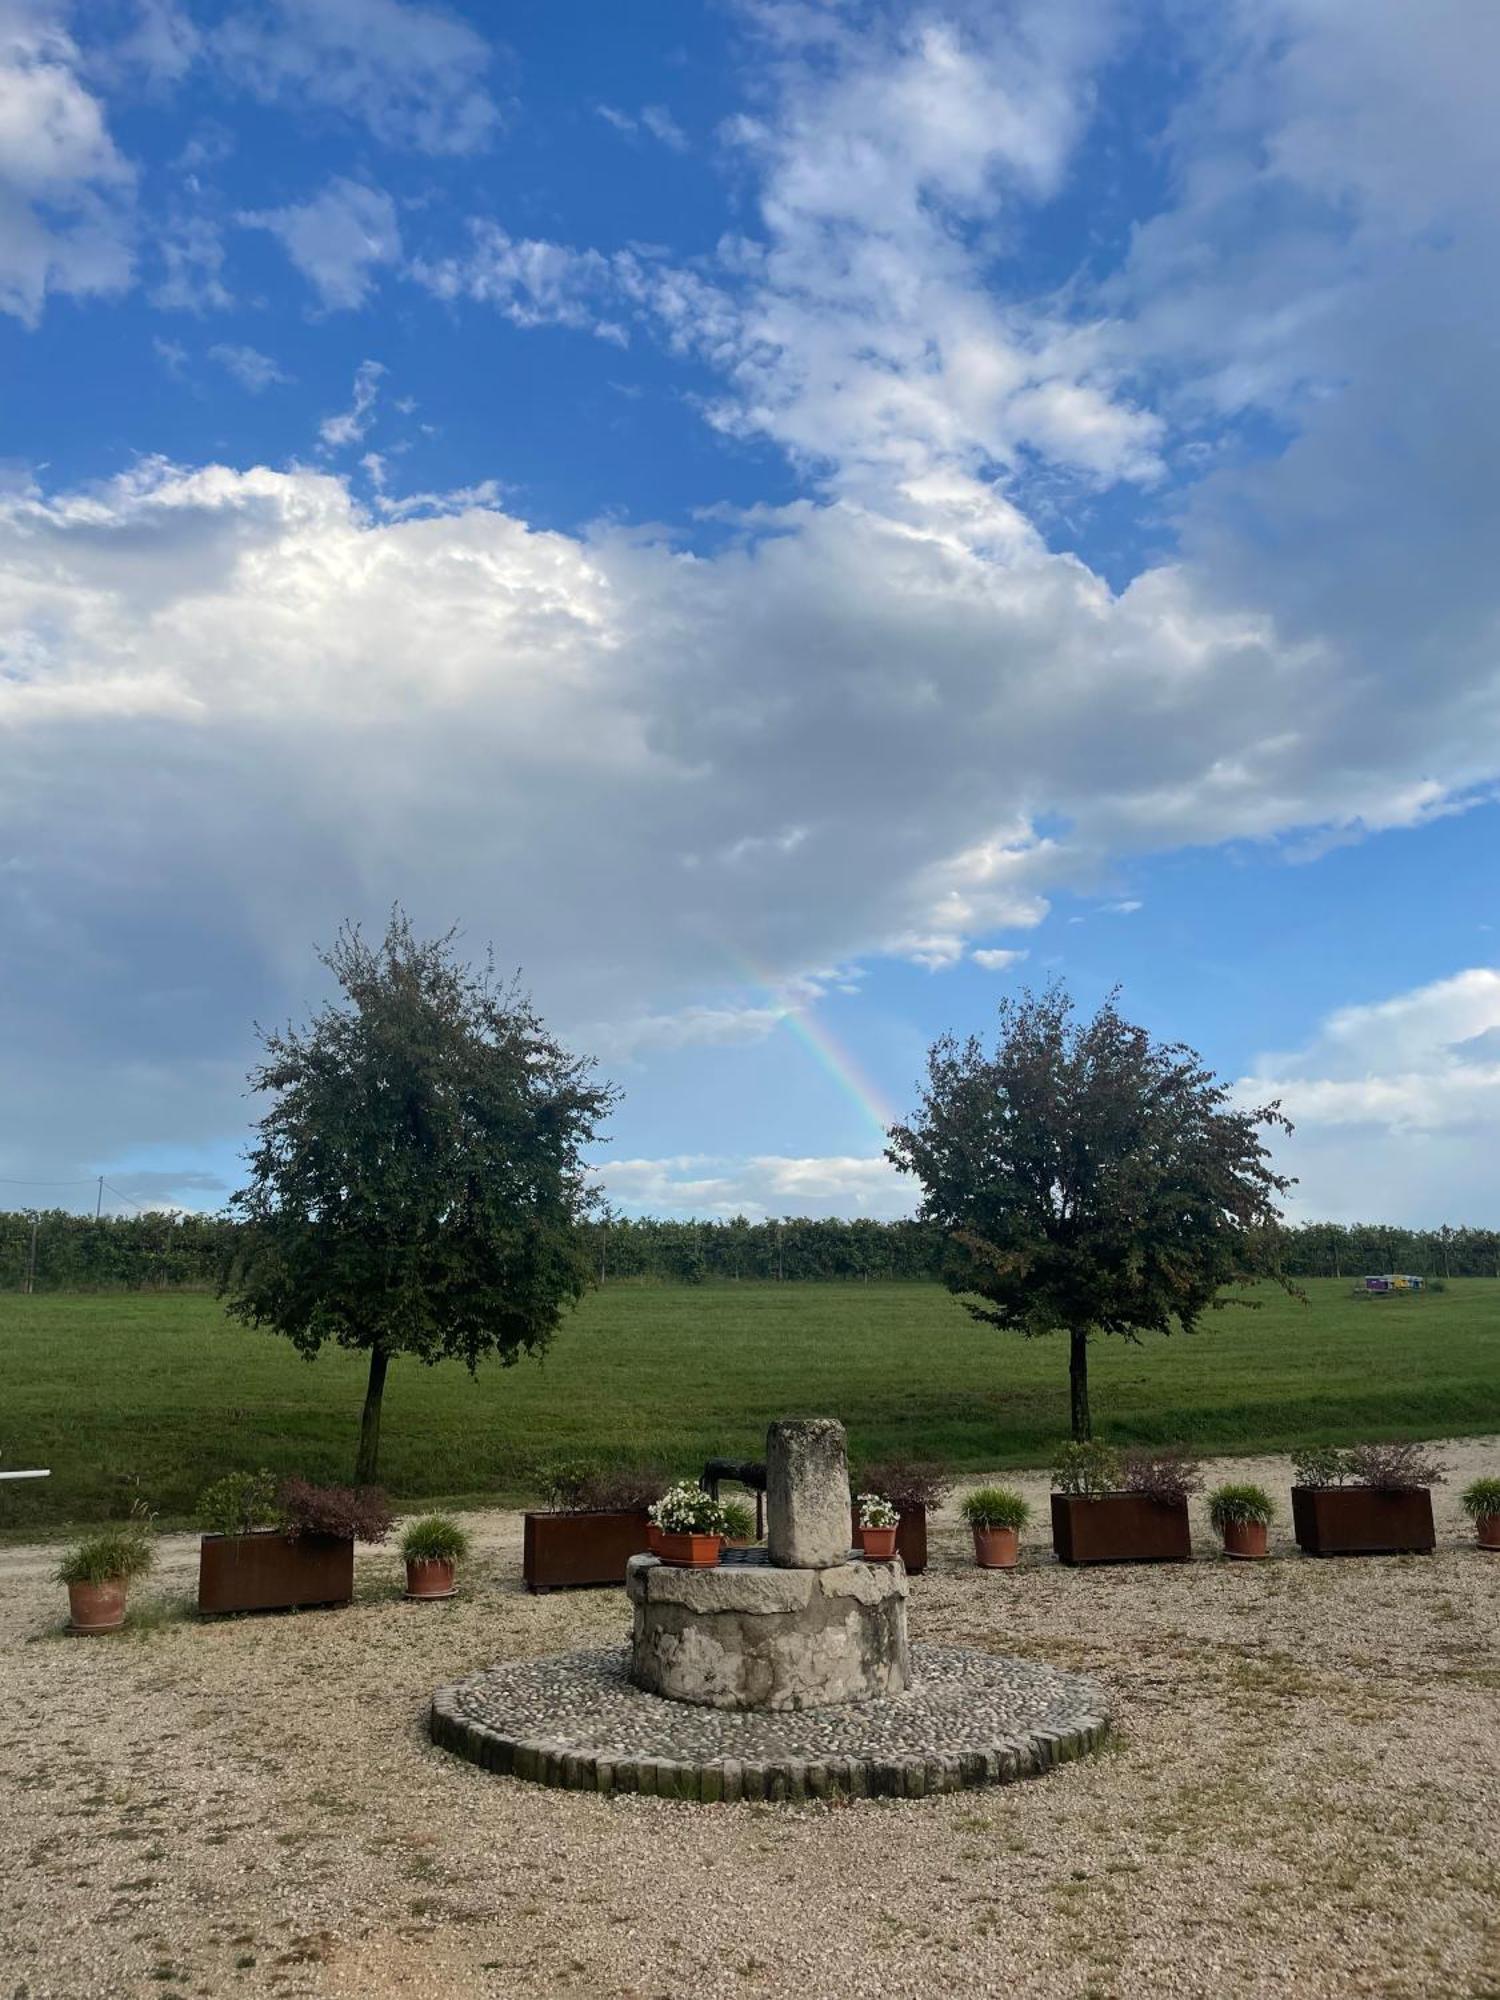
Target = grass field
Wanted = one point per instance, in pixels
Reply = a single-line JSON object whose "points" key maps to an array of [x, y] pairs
{"points": [[165, 1391]]}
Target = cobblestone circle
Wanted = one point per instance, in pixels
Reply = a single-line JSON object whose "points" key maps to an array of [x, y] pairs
{"points": [[575, 1720]]}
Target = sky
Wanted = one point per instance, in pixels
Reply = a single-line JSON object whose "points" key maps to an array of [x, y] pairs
{"points": [[793, 521]]}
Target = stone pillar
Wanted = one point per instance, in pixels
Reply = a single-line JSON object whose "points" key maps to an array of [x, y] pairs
{"points": [[807, 1493]]}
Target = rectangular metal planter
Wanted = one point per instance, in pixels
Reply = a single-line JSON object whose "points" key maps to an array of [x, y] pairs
{"points": [[1120, 1527], [1358, 1521], [564, 1551], [274, 1572], [911, 1537]]}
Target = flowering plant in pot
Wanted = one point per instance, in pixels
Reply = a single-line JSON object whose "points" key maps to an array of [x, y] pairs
{"points": [[912, 1487], [997, 1514], [1481, 1502], [98, 1572], [690, 1526], [1242, 1513], [431, 1548], [878, 1522]]}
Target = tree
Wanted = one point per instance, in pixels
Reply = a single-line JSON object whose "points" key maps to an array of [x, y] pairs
{"points": [[1088, 1179], [417, 1181]]}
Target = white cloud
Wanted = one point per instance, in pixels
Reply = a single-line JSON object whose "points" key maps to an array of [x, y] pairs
{"points": [[414, 75], [249, 367], [66, 193], [1395, 1104], [758, 1186], [349, 426], [660, 123], [533, 283], [191, 252], [996, 960], [337, 240]]}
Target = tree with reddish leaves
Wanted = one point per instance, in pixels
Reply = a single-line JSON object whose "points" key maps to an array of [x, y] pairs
{"points": [[1088, 1179]]}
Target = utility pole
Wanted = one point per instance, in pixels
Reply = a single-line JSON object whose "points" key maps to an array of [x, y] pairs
{"points": [[30, 1283], [99, 1203]]}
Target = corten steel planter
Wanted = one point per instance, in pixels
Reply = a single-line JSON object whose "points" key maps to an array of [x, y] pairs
{"points": [[996, 1548], [430, 1578], [274, 1572], [96, 1607], [1361, 1521], [1120, 1527], [565, 1551], [1487, 1531], [1245, 1540], [876, 1544], [689, 1551], [911, 1537]]}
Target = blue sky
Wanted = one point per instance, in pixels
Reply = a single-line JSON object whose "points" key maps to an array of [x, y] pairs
{"points": [[790, 519]]}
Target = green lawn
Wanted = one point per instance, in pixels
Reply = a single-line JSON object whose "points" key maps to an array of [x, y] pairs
{"points": [[163, 1390]]}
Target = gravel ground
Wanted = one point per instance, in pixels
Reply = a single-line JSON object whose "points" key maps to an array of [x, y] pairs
{"points": [[1305, 1800]]}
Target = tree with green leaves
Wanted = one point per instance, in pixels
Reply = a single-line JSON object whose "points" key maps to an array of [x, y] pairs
{"points": [[1088, 1179], [418, 1177]]}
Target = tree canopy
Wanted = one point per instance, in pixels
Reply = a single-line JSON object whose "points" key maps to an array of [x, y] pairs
{"points": [[1088, 1179], [418, 1176]]}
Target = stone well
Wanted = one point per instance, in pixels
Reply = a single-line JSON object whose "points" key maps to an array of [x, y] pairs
{"points": [[806, 1629]]}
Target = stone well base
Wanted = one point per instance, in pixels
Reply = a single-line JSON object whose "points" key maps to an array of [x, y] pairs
{"points": [[753, 1636], [576, 1720]]}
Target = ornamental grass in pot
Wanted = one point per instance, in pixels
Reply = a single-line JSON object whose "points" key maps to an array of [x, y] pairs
{"points": [[1481, 1502], [98, 1572], [912, 1487], [1242, 1513], [432, 1548], [1374, 1499], [739, 1524], [689, 1527], [997, 1514], [878, 1522]]}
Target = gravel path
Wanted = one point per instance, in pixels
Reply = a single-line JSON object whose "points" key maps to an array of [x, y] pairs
{"points": [[1305, 1801]]}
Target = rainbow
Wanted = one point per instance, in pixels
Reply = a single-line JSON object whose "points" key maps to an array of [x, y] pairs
{"points": [[832, 1056]]}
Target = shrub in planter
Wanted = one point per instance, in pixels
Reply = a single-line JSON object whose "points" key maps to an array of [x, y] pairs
{"points": [[1481, 1502], [1371, 1500], [689, 1525], [912, 1487], [266, 1550], [739, 1524], [595, 1519], [997, 1514], [1242, 1513], [878, 1522], [431, 1548], [1105, 1509], [98, 1572]]}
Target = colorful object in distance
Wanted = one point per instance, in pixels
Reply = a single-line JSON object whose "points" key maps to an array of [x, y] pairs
{"points": [[1394, 1281]]}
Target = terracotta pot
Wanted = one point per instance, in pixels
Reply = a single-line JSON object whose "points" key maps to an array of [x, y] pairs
{"points": [[1245, 1539], [431, 1576], [653, 1539], [565, 1551], [270, 1572], [1487, 1531], [1120, 1527], [689, 1551], [1361, 1521], [877, 1544], [96, 1607], [911, 1537], [996, 1548]]}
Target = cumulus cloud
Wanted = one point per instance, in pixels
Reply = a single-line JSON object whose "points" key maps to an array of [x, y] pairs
{"points": [[66, 193], [348, 427], [1396, 1104], [758, 1186], [414, 76], [337, 240], [995, 959], [249, 367]]}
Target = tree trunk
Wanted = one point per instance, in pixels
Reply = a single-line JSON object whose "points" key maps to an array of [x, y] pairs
{"points": [[369, 1423], [1078, 1382]]}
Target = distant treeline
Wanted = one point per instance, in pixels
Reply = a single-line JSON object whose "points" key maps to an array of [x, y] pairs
{"points": [[74, 1253]]}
